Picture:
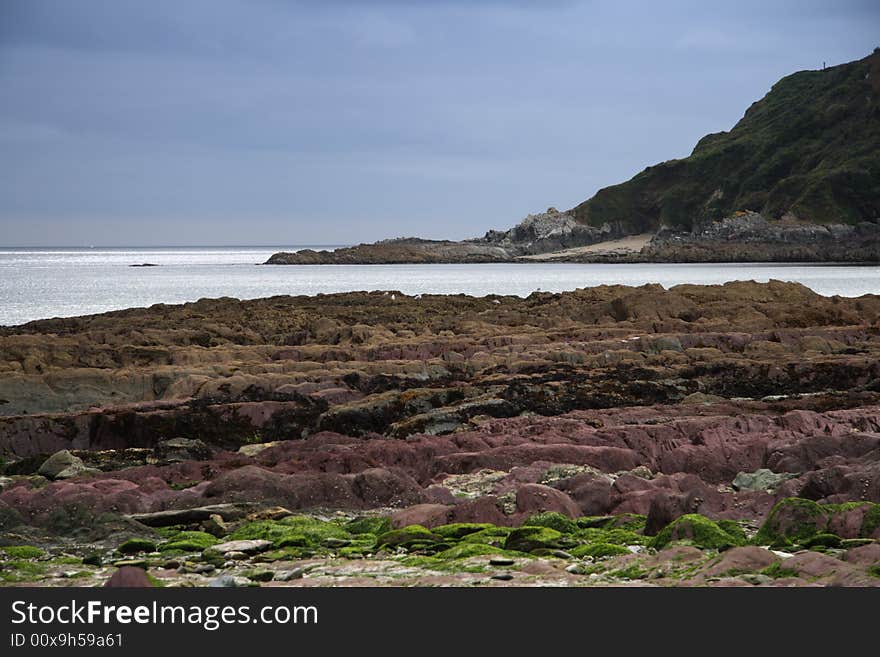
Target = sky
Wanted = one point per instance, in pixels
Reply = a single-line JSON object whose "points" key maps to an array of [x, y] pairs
{"points": [[263, 122]]}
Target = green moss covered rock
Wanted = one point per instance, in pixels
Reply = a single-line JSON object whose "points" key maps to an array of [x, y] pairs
{"points": [[459, 530], [188, 542], [293, 531], [698, 531], [409, 537], [136, 545], [871, 523], [526, 539], [495, 536], [467, 550], [598, 550], [823, 541], [553, 520], [792, 520], [22, 552], [369, 525]]}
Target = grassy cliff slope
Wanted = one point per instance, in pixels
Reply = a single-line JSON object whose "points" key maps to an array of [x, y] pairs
{"points": [[810, 148]]}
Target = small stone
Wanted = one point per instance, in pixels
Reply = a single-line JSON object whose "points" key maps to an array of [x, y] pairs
{"points": [[561, 554], [333, 542], [272, 513], [215, 526], [756, 578], [253, 546], [256, 448], [504, 577], [172, 564], [204, 568], [93, 559], [287, 575], [235, 556], [575, 569], [6, 482], [782, 555], [261, 575], [501, 561]]}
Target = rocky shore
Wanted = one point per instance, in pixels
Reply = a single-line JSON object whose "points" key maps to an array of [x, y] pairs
{"points": [[701, 435], [555, 236]]}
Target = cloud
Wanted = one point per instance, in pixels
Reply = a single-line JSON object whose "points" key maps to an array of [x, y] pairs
{"points": [[369, 119]]}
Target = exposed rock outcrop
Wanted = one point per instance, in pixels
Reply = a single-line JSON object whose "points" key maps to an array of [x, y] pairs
{"points": [[607, 425]]}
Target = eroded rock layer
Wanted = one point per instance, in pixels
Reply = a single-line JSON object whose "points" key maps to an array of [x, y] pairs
{"points": [[698, 418]]}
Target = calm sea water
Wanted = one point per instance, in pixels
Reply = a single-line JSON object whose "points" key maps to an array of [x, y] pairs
{"points": [[41, 283]]}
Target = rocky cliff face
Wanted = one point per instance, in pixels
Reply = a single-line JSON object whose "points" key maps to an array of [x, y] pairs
{"points": [[750, 237], [546, 232]]}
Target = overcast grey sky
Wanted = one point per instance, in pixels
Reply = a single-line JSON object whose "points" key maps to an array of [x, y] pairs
{"points": [[131, 122]]}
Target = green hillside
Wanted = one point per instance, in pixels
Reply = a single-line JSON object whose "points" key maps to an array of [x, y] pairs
{"points": [[810, 147]]}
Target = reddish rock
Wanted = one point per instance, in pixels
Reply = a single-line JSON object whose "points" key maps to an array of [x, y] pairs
{"points": [[129, 577], [749, 559], [483, 509], [666, 507], [810, 564], [593, 493], [535, 498], [427, 515], [865, 555]]}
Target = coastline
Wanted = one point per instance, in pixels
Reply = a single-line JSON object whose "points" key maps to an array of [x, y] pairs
{"points": [[555, 236]]}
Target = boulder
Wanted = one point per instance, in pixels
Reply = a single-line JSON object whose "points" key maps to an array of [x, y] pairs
{"points": [[129, 577], [427, 515], [64, 465], [761, 479], [533, 498]]}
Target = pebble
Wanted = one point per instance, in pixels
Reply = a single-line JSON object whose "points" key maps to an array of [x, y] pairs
{"points": [[561, 554], [287, 575], [92, 560], [575, 569], [262, 576], [204, 568], [504, 577], [498, 561], [246, 546]]}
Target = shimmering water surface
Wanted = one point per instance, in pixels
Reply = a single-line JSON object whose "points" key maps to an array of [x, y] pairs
{"points": [[40, 283]]}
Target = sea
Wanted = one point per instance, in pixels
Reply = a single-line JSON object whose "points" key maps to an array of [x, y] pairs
{"points": [[38, 283]]}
